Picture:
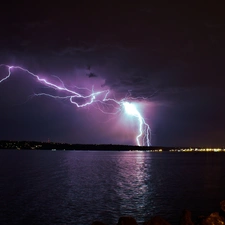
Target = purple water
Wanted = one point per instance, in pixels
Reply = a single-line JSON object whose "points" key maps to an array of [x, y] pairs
{"points": [[78, 187]]}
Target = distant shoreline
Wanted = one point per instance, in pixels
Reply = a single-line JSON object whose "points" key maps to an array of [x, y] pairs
{"points": [[35, 145]]}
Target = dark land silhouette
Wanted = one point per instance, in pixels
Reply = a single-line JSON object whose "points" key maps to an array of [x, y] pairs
{"points": [[36, 145]]}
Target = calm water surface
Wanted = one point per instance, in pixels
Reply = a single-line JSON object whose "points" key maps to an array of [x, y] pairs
{"points": [[78, 187]]}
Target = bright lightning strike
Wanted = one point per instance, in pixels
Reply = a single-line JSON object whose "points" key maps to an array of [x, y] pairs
{"points": [[93, 97], [144, 129]]}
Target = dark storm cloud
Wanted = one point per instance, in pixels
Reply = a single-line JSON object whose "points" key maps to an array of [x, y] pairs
{"points": [[172, 55]]}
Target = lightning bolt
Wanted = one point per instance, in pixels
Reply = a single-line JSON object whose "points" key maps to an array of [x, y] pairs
{"points": [[144, 128], [84, 97]]}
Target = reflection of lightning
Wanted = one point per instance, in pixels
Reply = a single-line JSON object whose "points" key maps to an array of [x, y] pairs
{"points": [[87, 97]]}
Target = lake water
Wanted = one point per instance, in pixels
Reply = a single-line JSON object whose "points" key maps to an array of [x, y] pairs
{"points": [[78, 187]]}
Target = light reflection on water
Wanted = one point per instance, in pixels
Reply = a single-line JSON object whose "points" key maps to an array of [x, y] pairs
{"points": [[75, 187], [132, 182]]}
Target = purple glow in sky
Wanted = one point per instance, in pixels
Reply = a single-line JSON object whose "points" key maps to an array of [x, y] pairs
{"points": [[83, 97], [166, 60]]}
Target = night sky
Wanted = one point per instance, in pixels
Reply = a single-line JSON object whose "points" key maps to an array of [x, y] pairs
{"points": [[172, 55]]}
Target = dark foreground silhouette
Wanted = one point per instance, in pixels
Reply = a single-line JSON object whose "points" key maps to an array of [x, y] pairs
{"points": [[215, 218]]}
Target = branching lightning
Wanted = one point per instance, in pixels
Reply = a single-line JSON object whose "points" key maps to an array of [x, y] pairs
{"points": [[83, 97]]}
